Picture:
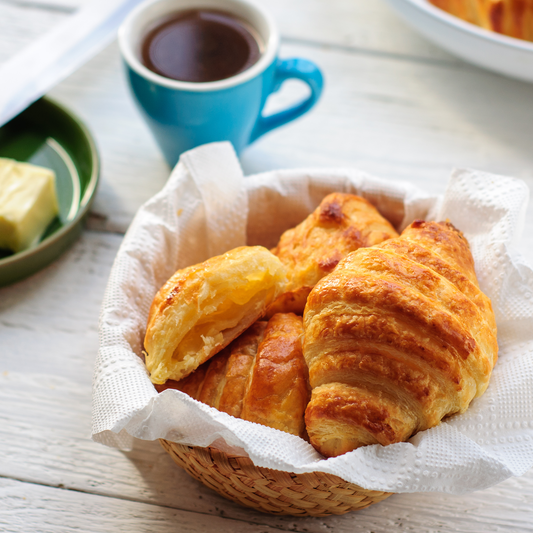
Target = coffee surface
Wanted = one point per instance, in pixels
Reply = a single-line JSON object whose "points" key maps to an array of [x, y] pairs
{"points": [[200, 45]]}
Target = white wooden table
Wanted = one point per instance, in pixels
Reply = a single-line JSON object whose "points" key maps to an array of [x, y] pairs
{"points": [[394, 105]]}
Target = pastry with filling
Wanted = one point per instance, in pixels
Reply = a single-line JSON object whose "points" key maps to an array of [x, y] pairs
{"points": [[261, 376], [341, 224], [202, 308], [397, 337]]}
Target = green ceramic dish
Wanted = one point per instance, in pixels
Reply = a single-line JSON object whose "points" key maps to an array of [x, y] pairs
{"points": [[49, 135]]}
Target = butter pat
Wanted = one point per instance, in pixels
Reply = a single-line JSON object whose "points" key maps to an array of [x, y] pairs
{"points": [[28, 203]]}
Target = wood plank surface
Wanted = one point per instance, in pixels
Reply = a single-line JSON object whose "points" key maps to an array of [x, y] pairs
{"points": [[28, 507], [358, 26], [361, 26]]}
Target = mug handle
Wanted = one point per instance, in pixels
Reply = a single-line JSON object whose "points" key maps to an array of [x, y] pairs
{"points": [[301, 69]]}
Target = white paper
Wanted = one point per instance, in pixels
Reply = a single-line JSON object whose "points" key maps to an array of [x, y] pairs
{"points": [[184, 224], [35, 70]]}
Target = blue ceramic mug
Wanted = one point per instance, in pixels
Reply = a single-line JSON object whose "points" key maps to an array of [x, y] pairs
{"points": [[182, 114]]}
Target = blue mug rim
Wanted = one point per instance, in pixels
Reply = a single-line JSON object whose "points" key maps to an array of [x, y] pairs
{"points": [[266, 59]]}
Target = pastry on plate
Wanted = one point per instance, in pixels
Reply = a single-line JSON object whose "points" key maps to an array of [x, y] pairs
{"points": [[509, 17], [261, 376], [397, 337], [202, 308], [341, 224]]}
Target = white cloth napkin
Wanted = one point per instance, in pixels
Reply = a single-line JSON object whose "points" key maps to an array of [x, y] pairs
{"points": [[48, 60], [208, 207]]}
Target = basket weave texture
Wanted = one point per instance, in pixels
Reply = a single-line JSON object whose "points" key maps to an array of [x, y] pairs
{"points": [[271, 491]]}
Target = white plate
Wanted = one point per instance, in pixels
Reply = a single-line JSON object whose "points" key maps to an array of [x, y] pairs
{"points": [[499, 53]]}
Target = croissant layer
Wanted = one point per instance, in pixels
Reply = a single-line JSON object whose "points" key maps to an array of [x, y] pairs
{"points": [[341, 224], [261, 376], [396, 338], [202, 308]]}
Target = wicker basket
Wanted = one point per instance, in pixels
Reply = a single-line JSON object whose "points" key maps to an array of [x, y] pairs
{"points": [[271, 491]]}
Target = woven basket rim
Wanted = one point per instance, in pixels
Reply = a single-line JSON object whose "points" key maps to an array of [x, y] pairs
{"points": [[237, 478]]}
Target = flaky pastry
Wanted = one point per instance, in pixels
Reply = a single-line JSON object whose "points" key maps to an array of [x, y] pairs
{"points": [[261, 376], [202, 308], [510, 17], [396, 338], [341, 224]]}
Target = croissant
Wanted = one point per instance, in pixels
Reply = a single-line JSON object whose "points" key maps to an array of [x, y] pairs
{"points": [[202, 308], [509, 17], [261, 376], [340, 224], [397, 337]]}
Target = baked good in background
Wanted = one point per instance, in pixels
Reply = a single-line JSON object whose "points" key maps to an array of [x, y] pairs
{"points": [[397, 337], [261, 376], [341, 224], [202, 308], [509, 17]]}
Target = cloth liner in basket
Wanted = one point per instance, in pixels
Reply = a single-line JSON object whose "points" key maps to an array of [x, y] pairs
{"points": [[208, 207]]}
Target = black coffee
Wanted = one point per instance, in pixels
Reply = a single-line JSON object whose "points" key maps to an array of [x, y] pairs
{"points": [[200, 45]]}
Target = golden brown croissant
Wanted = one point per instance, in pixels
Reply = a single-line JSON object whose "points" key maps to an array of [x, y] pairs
{"points": [[202, 308], [510, 17], [340, 224], [396, 338], [261, 376]]}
